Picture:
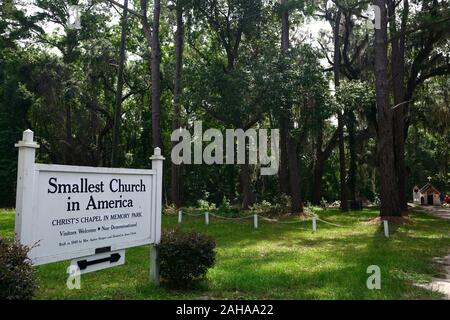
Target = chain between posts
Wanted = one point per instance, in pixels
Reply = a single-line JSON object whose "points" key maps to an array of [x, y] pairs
{"points": [[312, 215], [324, 221], [256, 217]]}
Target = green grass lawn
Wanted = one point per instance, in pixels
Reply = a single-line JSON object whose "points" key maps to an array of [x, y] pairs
{"points": [[278, 261]]}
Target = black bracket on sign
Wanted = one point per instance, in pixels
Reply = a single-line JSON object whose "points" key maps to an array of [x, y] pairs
{"points": [[83, 264], [102, 250]]}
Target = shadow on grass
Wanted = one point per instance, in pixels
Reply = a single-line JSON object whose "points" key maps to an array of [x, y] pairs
{"points": [[338, 271], [281, 261], [403, 258]]}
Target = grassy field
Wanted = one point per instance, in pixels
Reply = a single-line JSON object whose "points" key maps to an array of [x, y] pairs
{"points": [[278, 261]]}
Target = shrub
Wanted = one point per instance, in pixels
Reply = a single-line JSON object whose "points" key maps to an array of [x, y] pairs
{"points": [[376, 200], [205, 205], [226, 209], [261, 207], [185, 257], [323, 202], [225, 206], [17, 278], [170, 209], [282, 204]]}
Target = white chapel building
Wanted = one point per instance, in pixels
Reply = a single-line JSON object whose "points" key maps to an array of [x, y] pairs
{"points": [[427, 195]]}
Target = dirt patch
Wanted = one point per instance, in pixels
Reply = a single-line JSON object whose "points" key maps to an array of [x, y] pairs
{"points": [[394, 220], [301, 215]]}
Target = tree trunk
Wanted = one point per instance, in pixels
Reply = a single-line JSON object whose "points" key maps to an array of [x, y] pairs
{"points": [[317, 179], [284, 27], [152, 37], [294, 178], [289, 144], [68, 58], [336, 69], [156, 77], [68, 143], [342, 167], [284, 173], [398, 74], [118, 105], [321, 158], [351, 121], [179, 39], [390, 204], [245, 186], [319, 164]]}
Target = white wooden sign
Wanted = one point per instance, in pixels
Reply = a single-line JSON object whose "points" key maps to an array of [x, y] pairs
{"points": [[67, 212]]}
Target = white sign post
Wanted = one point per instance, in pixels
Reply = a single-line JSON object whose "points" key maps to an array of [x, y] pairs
{"points": [[25, 183], [68, 212], [157, 164]]}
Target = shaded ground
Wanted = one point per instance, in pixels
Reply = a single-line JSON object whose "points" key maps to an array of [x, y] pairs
{"points": [[439, 284], [279, 261], [435, 210]]}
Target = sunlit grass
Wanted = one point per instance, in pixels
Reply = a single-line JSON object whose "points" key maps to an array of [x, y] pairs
{"points": [[278, 261]]}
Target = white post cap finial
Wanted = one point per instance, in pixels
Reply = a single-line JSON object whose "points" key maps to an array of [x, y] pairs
{"points": [[28, 136], [157, 154], [27, 140]]}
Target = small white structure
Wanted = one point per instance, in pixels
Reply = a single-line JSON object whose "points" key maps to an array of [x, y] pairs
{"points": [[427, 195]]}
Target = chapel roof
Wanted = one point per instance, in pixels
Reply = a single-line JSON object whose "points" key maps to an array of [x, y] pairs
{"points": [[427, 187]]}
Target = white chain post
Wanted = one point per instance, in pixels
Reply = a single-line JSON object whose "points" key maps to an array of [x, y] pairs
{"points": [[206, 217], [314, 224], [386, 228], [255, 221], [180, 216]]}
